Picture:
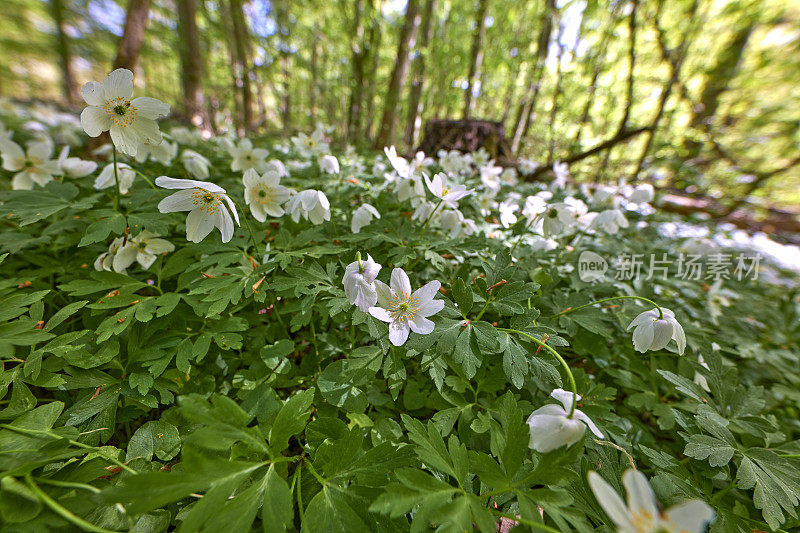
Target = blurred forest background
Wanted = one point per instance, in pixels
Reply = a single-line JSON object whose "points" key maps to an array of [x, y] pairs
{"points": [[702, 96]]}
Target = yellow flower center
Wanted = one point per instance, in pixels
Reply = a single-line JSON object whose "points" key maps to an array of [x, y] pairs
{"points": [[120, 111], [205, 200], [403, 308], [263, 194]]}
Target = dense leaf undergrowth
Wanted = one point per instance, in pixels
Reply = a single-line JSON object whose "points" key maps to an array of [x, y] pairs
{"points": [[233, 386]]}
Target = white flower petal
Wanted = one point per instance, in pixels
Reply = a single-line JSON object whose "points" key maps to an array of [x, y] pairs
{"points": [[400, 283], [94, 121], [150, 108], [118, 84], [691, 516], [398, 333], [611, 502], [198, 225], [641, 498], [179, 201], [93, 93]]}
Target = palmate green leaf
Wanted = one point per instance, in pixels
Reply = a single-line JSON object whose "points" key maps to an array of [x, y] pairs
{"points": [[717, 451], [31, 206], [109, 221], [462, 295], [156, 437], [774, 480], [222, 423], [291, 420]]}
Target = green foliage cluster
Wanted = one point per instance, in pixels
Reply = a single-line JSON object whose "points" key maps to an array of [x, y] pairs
{"points": [[231, 387]]}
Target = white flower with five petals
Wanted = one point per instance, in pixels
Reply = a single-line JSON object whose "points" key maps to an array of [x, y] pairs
{"points": [[403, 310], [32, 168], [448, 194], [245, 157], [641, 514], [130, 121], [264, 194], [207, 204], [74, 167]]}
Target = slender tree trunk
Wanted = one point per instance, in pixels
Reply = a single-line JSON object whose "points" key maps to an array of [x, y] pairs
{"points": [[476, 59], [314, 92], [240, 35], [399, 73], [191, 63], [556, 94], [133, 35], [717, 82], [65, 54], [623, 123], [358, 61], [528, 103], [415, 106], [375, 38], [597, 68], [675, 61]]}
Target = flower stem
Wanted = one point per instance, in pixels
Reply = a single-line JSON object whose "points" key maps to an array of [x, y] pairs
{"points": [[528, 225], [564, 364], [149, 182], [61, 511], [428, 220], [651, 302], [116, 178], [249, 228]]}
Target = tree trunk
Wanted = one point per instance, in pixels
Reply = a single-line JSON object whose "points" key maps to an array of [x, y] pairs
{"points": [[236, 95], [476, 59], [675, 63], [314, 92], [556, 94], [399, 73], [133, 36], [375, 37], [528, 103], [717, 82], [240, 34], [71, 92], [597, 67], [415, 106], [358, 61], [191, 63]]}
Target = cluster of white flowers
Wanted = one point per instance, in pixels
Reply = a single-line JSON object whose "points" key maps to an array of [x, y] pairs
{"points": [[404, 310], [144, 249]]}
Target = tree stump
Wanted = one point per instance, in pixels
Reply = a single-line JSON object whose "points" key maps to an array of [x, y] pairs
{"points": [[468, 136]]}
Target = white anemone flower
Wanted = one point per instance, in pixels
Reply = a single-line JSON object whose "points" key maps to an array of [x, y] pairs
{"points": [[329, 164], [36, 167], [561, 171], [207, 204], [403, 310], [308, 145], [149, 246], [508, 212], [195, 164], [120, 255], [641, 513], [557, 218], [653, 332], [363, 217], [411, 189], [399, 164], [111, 109], [490, 176], [450, 195], [534, 206], [453, 222], [245, 157], [163, 153], [551, 426], [359, 283], [106, 179], [75, 167], [310, 204], [264, 194], [610, 220], [276, 165], [641, 194]]}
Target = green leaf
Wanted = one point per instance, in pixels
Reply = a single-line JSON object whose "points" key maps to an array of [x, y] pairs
{"points": [[291, 420], [462, 296], [155, 437]]}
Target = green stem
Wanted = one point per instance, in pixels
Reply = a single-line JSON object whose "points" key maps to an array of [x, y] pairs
{"points": [[146, 179], [651, 302], [523, 521], [26, 431], [66, 484], [314, 473], [483, 309], [528, 225], [116, 177], [428, 220], [564, 365], [61, 511], [250, 229]]}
